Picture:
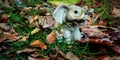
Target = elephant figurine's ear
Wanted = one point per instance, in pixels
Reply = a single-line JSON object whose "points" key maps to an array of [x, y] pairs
{"points": [[60, 13], [84, 8]]}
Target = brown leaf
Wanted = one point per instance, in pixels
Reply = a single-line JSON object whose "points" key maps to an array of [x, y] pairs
{"points": [[36, 54], [116, 49], [115, 58], [4, 27], [60, 52], [46, 21], [56, 55], [71, 56], [96, 3], [89, 58], [103, 57], [51, 38], [3, 18], [38, 43], [59, 58], [102, 23], [27, 8], [26, 50], [93, 31], [8, 36], [38, 58], [106, 58]]}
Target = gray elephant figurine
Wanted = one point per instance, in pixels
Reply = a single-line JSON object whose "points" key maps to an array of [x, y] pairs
{"points": [[67, 15]]}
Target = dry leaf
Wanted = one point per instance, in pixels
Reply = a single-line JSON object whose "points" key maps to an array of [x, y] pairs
{"points": [[93, 31], [103, 35], [33, 19], [115, 58], [116, 12], [60, 52], [36, 54], [106, 58], [27, 8], [11, 36], [35, 30], [71, 56], [89, 58], [26, 50], [56, 55], [3, 18], [96, 3], [102, 23], [8, 36], [38, 43], [103, 57], [116, 49], [4, 27], [51, 38], [59, 58], [46, 21], [23, 38], [38, 58]]}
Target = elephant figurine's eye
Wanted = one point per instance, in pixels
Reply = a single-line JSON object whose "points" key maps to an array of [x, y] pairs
{"points": [[75, 11]]}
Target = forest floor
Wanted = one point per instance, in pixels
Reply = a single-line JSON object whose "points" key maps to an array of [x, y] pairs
{"points": [[26, 31]]}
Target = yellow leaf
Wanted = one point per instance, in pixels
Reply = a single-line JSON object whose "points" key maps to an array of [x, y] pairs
{"points": [[32, 19], [51, 38], [116, 12], [35, 30], [38, 43]]}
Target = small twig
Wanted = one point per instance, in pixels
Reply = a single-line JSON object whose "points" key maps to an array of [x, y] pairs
{"points": [[60, 52]]}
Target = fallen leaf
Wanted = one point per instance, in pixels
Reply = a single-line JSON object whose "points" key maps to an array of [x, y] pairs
{"points": [[93, 31], [115, 58], [23, 38], [8, 36], [116, 12], [35, 30], [116, 49], [4, 18], [38, 43], [60, 58], [71, 56], [56, 55], [11, 36], [102, 23], [38, 58], [46, 21], [51, 38], [96, 3], [103, 35], [36, 54], [4, 27], [60, 52], [33, 19], [27, 8], [106, 58], [103, 57], [89, 58], [26, 50]]}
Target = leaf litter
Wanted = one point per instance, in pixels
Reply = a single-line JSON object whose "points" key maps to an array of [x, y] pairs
{"points": [[95, 33]]}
